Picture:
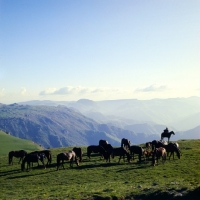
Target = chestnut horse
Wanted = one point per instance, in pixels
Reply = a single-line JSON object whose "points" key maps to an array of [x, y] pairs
{"points": [[159, 152], [71, 156]]}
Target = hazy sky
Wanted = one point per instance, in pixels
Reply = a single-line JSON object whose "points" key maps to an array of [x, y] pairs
{"points": [[99, 49]]}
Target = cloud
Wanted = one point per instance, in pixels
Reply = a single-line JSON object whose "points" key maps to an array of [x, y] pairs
{"points": [[79, 90], [153, 88], [23, 90]]}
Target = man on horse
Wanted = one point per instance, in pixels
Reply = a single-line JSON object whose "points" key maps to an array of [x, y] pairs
{"points": [[166, 130]]}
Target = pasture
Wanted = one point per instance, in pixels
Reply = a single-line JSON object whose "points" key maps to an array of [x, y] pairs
{"points": [[96, 179]]}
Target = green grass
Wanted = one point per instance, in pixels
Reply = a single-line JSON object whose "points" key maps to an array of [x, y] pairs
{"points": [[95, 179], [9, 143]]}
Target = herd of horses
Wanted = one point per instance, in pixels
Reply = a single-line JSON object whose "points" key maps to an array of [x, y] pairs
{"points": [[152, 151]]}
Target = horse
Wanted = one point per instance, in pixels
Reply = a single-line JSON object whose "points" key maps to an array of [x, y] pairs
{"points": [[47, 154], [31, 158], [148, 145], [137, 150], [18, 154], [108, 151], [125, 143], [159, 152], [96, 149], [147, 154], [103, 142], [121, 152], [156, 144], [79, 153], [167, 135], [170, 148], [71, 156]]}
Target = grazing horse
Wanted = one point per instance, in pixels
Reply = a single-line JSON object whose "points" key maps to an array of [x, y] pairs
{"points": [[121, 152], [137, 150], [159, 152], [109, 149], [167, 135], [125, 143], [96, 149], [148, 145], [71, 156], [79, 153], [18, 154], [30, 158], [170, 148], [47, 154]]}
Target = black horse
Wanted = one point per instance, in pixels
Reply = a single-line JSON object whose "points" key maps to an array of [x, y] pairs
{"points": [[71, 156], [79, 153], [31, 158], [47, 154], [125, 143], [108, 151], [167, 134], [156, 144], [121, 152], [18, 154], [137, 150], [103, 142], [96, 149]]}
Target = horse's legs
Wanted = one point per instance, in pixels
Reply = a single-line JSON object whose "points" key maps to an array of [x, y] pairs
{"points": [[119, 158]]}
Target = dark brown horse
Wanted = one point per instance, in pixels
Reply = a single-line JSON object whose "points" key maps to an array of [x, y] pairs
{"points": [[96, 149], [31, 158], [18, 154], [79, 153], [47, 154], [159, 152], [137, 150], [121, 152], [125, 143], [167, 134], [71, 156], [103, 142]]}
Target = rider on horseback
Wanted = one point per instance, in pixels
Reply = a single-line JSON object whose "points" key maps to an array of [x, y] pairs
{"points": [[166, 130]]}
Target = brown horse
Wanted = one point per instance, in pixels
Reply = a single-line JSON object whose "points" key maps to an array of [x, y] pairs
{"points": [[125, 143], [159, 152], [47, 154], [96, 149], [121, 152], [167, 135], [71, 156], [79, 153], [18, 154], [31, 158], [137, 150]]}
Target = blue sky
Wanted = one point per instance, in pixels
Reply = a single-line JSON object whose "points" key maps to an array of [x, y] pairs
{"points": [[67, 50]]}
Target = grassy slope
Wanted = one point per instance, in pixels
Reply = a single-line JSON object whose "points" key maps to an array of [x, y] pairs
{"points": [[9, 143], [95, 178]]}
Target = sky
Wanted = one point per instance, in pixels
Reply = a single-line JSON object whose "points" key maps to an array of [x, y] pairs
{"points": [[66, 50]]}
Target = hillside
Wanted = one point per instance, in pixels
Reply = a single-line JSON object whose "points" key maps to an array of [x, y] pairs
{"points": [[58, 126], [181, 114], [10, 143]]}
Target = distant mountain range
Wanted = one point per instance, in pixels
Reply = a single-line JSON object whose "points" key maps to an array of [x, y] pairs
{"points": [[85, 122]]}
